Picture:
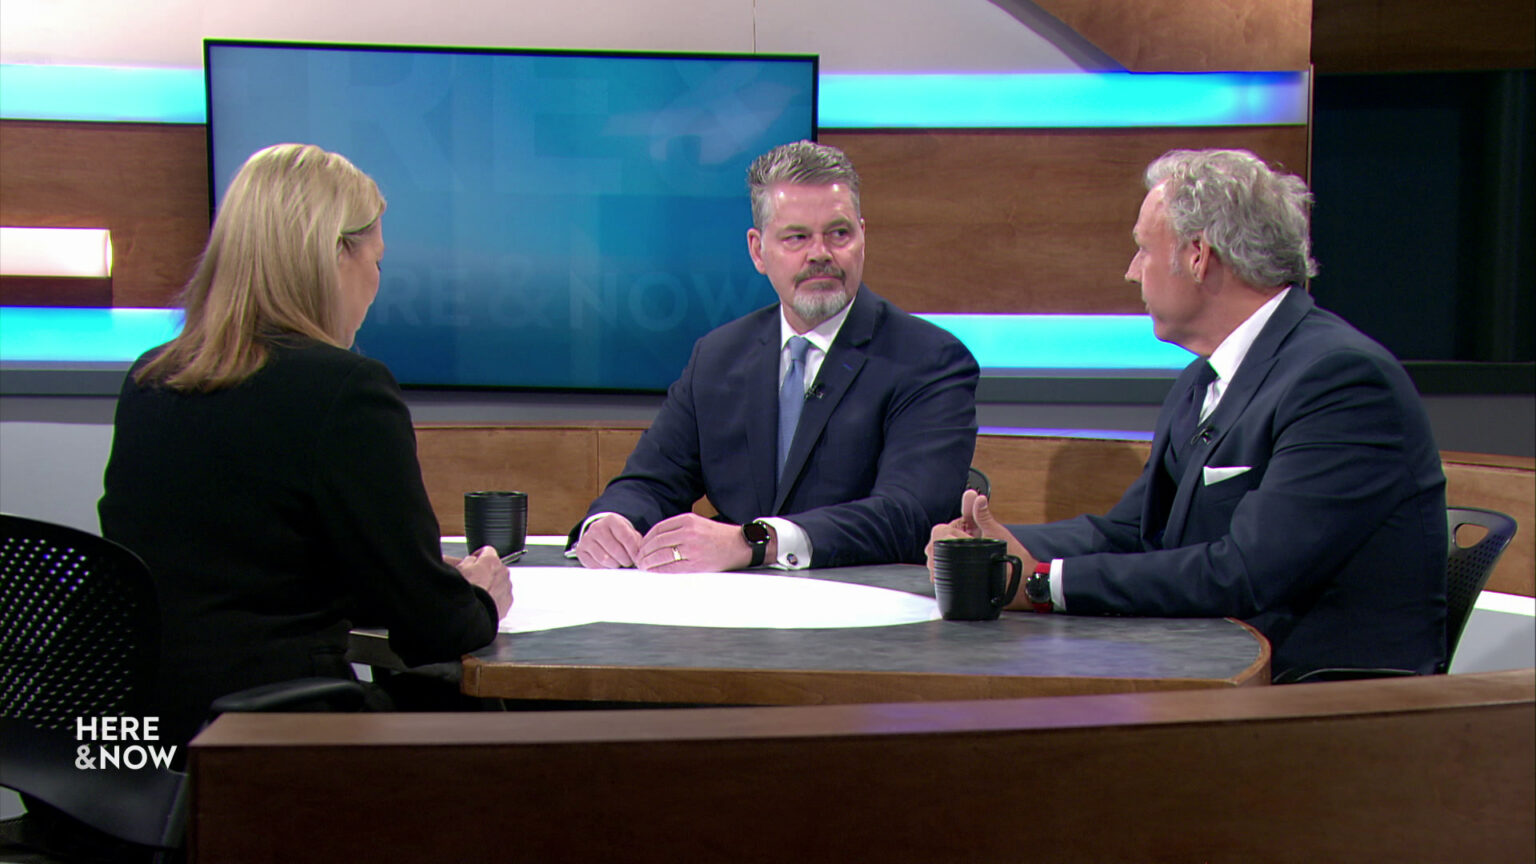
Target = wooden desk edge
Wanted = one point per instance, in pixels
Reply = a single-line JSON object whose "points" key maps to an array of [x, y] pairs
{"points": [[742, 686], [1201, 706]]}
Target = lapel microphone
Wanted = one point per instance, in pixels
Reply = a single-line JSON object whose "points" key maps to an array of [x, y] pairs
{"points": [[816, 391], [1203, 435]]}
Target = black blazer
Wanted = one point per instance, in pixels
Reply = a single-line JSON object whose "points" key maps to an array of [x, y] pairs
{"points": [[275, 515], [880, 455], [1332, 543]]}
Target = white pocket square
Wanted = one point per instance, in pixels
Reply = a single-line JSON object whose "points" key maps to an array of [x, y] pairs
{"points": [[1216, 475]]}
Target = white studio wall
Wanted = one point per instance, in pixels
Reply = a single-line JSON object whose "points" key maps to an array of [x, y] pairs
{"points": [[53, 471], [849, 35]]}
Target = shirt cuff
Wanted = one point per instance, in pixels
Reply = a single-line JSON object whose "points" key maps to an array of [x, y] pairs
{"points": [[585, 524], [794, 544], [1058, 596]]}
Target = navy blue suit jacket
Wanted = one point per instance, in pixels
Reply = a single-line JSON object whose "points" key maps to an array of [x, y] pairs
{"points": [[1332, 544], [880, 455]]}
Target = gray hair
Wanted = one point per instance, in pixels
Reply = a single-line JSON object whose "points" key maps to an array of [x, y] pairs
{"points": [[803, 162], [1255, 217]]}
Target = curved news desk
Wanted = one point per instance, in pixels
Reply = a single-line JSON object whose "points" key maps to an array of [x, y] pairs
{"points": [[1021, 654]]}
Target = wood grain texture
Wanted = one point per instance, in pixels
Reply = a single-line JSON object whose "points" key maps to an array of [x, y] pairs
{"points": [[146, 183], [1035, 221], [702, 686], [1004, 221], [1422, 35], [1045, 479], [1506, 484], [563, 467], [1193, 35], [1318, 772], [556, 466]]}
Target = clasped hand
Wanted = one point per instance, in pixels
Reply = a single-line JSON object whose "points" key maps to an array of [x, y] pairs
{"points": [[685, 543]]}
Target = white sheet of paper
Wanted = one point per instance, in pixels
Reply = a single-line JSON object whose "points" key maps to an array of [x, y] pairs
{"points": [[548, 597]]}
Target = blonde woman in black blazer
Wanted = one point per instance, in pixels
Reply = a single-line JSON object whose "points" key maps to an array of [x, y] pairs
{"points": [[267, 474]]}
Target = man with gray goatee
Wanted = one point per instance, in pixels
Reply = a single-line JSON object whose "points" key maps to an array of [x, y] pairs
{"points": [[827, 429]]}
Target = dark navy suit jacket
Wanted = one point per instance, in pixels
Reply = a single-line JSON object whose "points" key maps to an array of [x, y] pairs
{"points": [[1332, 544], [880, 455]]}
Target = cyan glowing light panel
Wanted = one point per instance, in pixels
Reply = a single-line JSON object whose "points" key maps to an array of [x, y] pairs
{"points": [[34, 334], [124, 94], [56, 252], [1063, 100], [1062, 341], [1043, 100], [82, 335]]}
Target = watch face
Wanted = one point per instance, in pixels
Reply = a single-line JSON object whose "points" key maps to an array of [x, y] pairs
{"points": [[755, 532], [1038, 587]]}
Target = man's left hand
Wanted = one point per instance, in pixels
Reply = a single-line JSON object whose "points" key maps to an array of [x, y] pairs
{"points": [[689, 543]]}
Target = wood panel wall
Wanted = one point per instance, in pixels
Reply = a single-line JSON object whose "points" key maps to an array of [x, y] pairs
{"points": [[1007, 221], [1192, 35], [563, 467], [1422, 35], [1034, 221], [146, 182], [1314, 772]]}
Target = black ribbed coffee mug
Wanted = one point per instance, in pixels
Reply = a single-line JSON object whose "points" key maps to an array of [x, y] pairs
{"points": [[498, 519], [971, 578]]}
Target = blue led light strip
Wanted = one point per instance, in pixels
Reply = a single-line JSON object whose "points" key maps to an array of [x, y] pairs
{"points": [[102, 93], [1063, 100], [36, 334], [1043, 100], [1063, 341], [62, 335]]}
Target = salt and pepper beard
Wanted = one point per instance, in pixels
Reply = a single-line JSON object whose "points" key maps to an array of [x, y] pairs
{"points": [[816, 307]]}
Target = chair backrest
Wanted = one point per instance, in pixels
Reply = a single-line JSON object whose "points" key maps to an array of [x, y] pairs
{"points": [[978, 481], [79, 639], [79, 626], [1468, 567]]}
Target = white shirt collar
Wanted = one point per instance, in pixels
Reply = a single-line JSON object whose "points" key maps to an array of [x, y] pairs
{"points": [[820, 336], [1230, 353]]}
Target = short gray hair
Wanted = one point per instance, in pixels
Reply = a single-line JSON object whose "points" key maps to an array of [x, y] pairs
{"points": [[803, 162], [1255, 217]]}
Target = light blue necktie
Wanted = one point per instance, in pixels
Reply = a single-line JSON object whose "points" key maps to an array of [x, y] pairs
{"points": [[792, 396]]}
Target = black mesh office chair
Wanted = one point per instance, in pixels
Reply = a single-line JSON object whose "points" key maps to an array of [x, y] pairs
{"points": [[1466, 572], [79, 639], [1470, 566]]}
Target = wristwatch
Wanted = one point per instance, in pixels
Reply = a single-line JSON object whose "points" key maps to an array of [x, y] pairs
{"points": [[757, 535], [1038, 588]]}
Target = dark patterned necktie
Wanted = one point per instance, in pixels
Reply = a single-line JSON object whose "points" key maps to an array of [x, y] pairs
{"points": [[1182, 430]]}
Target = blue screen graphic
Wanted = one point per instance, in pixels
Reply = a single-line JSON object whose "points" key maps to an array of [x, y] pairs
{"points": [[556, 220]]}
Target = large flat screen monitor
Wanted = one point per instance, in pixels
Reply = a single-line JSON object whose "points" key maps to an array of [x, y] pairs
{"points": [[557, 219]]}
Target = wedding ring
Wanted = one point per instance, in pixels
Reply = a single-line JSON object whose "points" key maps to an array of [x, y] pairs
{"points": [[676, 555]]}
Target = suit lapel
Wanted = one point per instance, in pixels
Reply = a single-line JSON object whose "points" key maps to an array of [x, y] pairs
{"points": [[761, 391], [1251, 374], [1157, 506], [837, 374]]}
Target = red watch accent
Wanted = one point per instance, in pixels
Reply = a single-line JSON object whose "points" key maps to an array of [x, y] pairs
{"points": [[1038, 588]]}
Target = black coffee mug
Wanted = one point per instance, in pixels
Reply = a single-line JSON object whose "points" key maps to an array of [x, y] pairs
{"points": [[498, 519], [970, 575]]}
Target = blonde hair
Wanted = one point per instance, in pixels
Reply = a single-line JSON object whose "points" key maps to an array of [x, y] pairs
{"points": [[270, 267]]}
